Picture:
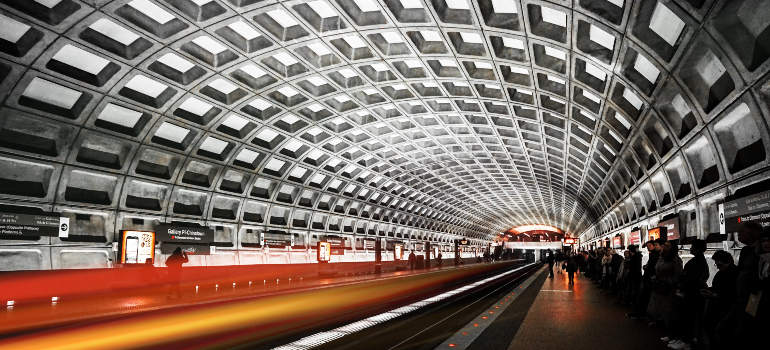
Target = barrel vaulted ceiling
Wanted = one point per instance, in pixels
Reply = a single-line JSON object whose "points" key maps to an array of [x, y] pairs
{"points": [[444, 116]]}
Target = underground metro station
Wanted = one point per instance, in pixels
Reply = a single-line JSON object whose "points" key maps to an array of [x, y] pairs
{"points": [[384, 174]]}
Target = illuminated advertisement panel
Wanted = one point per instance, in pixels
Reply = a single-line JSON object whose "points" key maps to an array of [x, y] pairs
{"points": [[653, 234], [616, 243], [137, 247], [398, 252], [671, 228], [635, 238], [324, 251], [569, 241]]}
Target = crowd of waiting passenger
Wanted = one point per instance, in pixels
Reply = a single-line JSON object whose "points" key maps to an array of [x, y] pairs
{"points": [[675, 297]]}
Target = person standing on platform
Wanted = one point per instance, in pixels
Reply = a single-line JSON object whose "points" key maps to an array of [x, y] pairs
{"points": [[550, 259], [645, 293], [606, 269], [579, 261], [721, 294], [559, 260], [668, 272], [174, 264], [615, 263], [634, 277], [412, 260], [690, 311], [622, 279], [590, 264], [762, 291], [736, 330], [440, 264], [572, 266]]}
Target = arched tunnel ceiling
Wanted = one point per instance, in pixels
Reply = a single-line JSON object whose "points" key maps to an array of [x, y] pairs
{"points": [[450, 116]]}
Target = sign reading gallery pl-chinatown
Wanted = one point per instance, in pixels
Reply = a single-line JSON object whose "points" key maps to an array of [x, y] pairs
{"points": [[25, 225], [183, 235], [750, 208], [336, 244]]}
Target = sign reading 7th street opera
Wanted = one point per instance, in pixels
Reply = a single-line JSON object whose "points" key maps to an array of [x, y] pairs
{"points": [[25, 225], [750, 208]]}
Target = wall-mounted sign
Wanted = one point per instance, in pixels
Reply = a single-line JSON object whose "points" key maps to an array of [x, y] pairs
{"points": [[634, 238], [722, 220], [616, 242], [25, 225], [189, 249], [569, 241], [277, 239], [182, 235], [136, 247], [398, 252], [653, 234], [337, 245], [369, 244], [671, 227], [749, 208], [324, 252]]}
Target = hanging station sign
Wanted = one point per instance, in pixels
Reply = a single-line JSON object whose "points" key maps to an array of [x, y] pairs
{"points": [[192, 240], [277, 240], [184, 235], [569, 241], [25, 225], [337, 245], [750, 208], [464, 242]]}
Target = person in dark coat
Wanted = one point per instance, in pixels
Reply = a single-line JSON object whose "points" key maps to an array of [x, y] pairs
{"points": [[736, 330], [439, 257], [412, 260], [580, 260], [645, 293], [634, 277], [590, 264], [762, 315], [572, 266], [174, 264], [616, 261], [695, 275], [550, 259], [721, 294]]}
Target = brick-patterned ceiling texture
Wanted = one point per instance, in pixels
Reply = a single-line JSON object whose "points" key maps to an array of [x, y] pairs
{"points": [[437, 119]]}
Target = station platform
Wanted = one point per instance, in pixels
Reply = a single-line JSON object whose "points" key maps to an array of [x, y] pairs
{"points": [[578, 316], [549, 313]]}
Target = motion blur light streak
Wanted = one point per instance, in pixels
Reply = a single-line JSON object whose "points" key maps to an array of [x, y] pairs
{"points": [[263, 316], [320, 338]]}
